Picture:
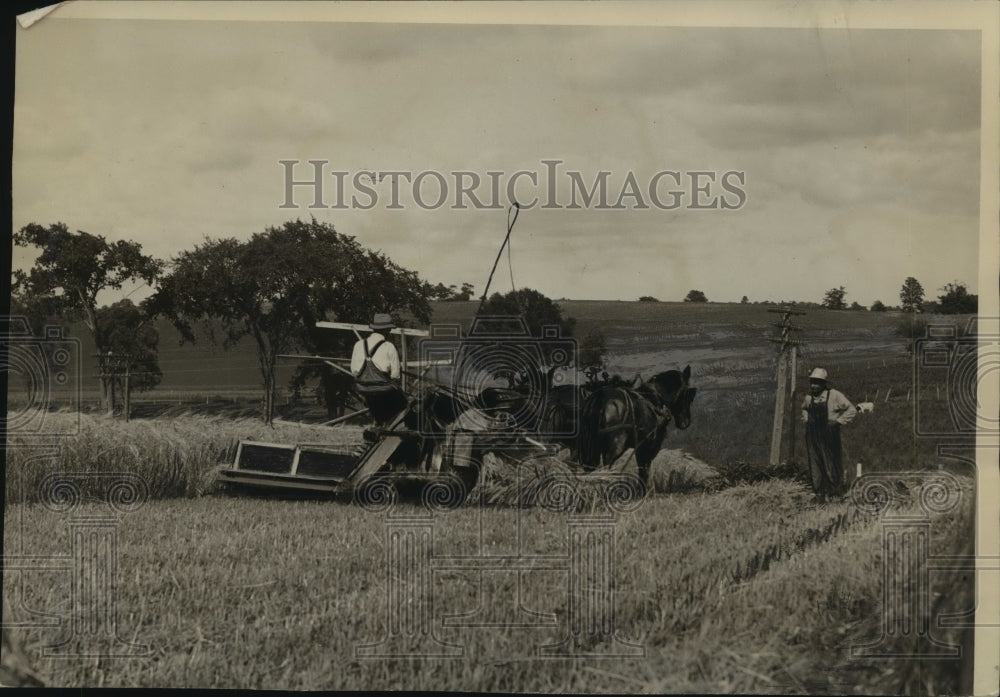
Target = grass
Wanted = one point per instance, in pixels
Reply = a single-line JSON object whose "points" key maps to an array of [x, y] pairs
{"points": [[729, 575], [687, 589], [173, 456]]}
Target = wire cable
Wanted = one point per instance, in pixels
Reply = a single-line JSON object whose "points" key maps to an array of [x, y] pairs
{"points": [[510, 226]]}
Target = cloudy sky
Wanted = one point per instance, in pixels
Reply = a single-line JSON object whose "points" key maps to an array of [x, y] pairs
{"points": [[857, 151]]}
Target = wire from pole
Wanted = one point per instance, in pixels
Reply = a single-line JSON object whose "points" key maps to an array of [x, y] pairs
{"points": [[510, 226], [510, 267]]}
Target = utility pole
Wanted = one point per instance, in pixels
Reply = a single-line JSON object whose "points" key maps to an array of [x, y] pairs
{"points": [[793, 360], [105, 371], [110, 366], [128, 390], [114, 367], [787, 350]]}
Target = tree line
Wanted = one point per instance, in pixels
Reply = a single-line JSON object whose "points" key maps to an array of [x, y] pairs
{"points": [[954, 299], [270, 289]]}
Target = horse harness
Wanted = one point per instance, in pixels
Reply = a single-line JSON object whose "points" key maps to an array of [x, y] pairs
{"points": [[660, 409]]}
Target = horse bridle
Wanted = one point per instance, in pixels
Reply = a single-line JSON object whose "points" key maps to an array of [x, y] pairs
{"points": [[659, 405]]}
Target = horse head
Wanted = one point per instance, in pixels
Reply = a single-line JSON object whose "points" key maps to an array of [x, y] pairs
{"points": [[673, 390]]}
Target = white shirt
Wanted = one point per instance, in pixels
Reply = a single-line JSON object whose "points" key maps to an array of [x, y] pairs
{"points": [[839, 408], [385, 359]]}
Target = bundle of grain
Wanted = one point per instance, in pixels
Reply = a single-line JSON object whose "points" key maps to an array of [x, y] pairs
{"points": [[676, 470], [554, 484]]}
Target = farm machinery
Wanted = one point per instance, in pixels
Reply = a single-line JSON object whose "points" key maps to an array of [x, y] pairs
{"points": [[438, 439], [450, 420], [395, 454]]}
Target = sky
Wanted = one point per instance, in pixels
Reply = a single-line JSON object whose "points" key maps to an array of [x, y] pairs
{"points": [[853, 154]]}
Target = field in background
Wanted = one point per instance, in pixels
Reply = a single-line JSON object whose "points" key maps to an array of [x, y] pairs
{"points": [[726, 345], [672, 331]]}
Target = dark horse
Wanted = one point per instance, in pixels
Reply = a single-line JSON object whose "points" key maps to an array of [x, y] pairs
{"points": [[618, 416]]}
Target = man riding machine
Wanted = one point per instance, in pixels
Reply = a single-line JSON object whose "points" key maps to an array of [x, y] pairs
{"points": [[436, 437]]}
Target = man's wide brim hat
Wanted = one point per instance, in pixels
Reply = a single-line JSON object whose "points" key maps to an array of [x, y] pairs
{"points": [[382, 321], [818, 374]]}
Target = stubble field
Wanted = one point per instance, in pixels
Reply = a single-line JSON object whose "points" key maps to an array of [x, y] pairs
{"points": [[727, 578]]}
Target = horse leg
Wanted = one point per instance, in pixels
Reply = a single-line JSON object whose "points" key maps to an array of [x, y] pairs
{"points": [[644, 456], [643, 465], [646, 453]]}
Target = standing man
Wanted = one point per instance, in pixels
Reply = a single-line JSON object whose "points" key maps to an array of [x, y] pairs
{"points": [[824, 411], [375, 365]]}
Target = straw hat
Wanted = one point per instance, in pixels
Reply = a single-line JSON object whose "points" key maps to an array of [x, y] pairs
{"points": [[818, 374], [382, 321]]}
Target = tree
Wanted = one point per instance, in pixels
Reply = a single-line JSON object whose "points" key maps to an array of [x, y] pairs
{"points": [[536, 309], [38, 312], [856, 306], [278, 284], [648, 299], [695, 296], [911, 295], [439, 291], [834, 299], [878, 306], [744, 300], [957, 300], [132, 343], [466, 292], [73, 268], [539, 311], [448, 293]]}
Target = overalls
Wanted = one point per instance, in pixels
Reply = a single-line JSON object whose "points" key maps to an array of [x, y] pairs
{"points": [[823, 449], [383, 397]]}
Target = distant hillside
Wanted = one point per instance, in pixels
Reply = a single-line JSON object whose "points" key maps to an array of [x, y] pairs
{"points": [[620, 315], [630, 328]]}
